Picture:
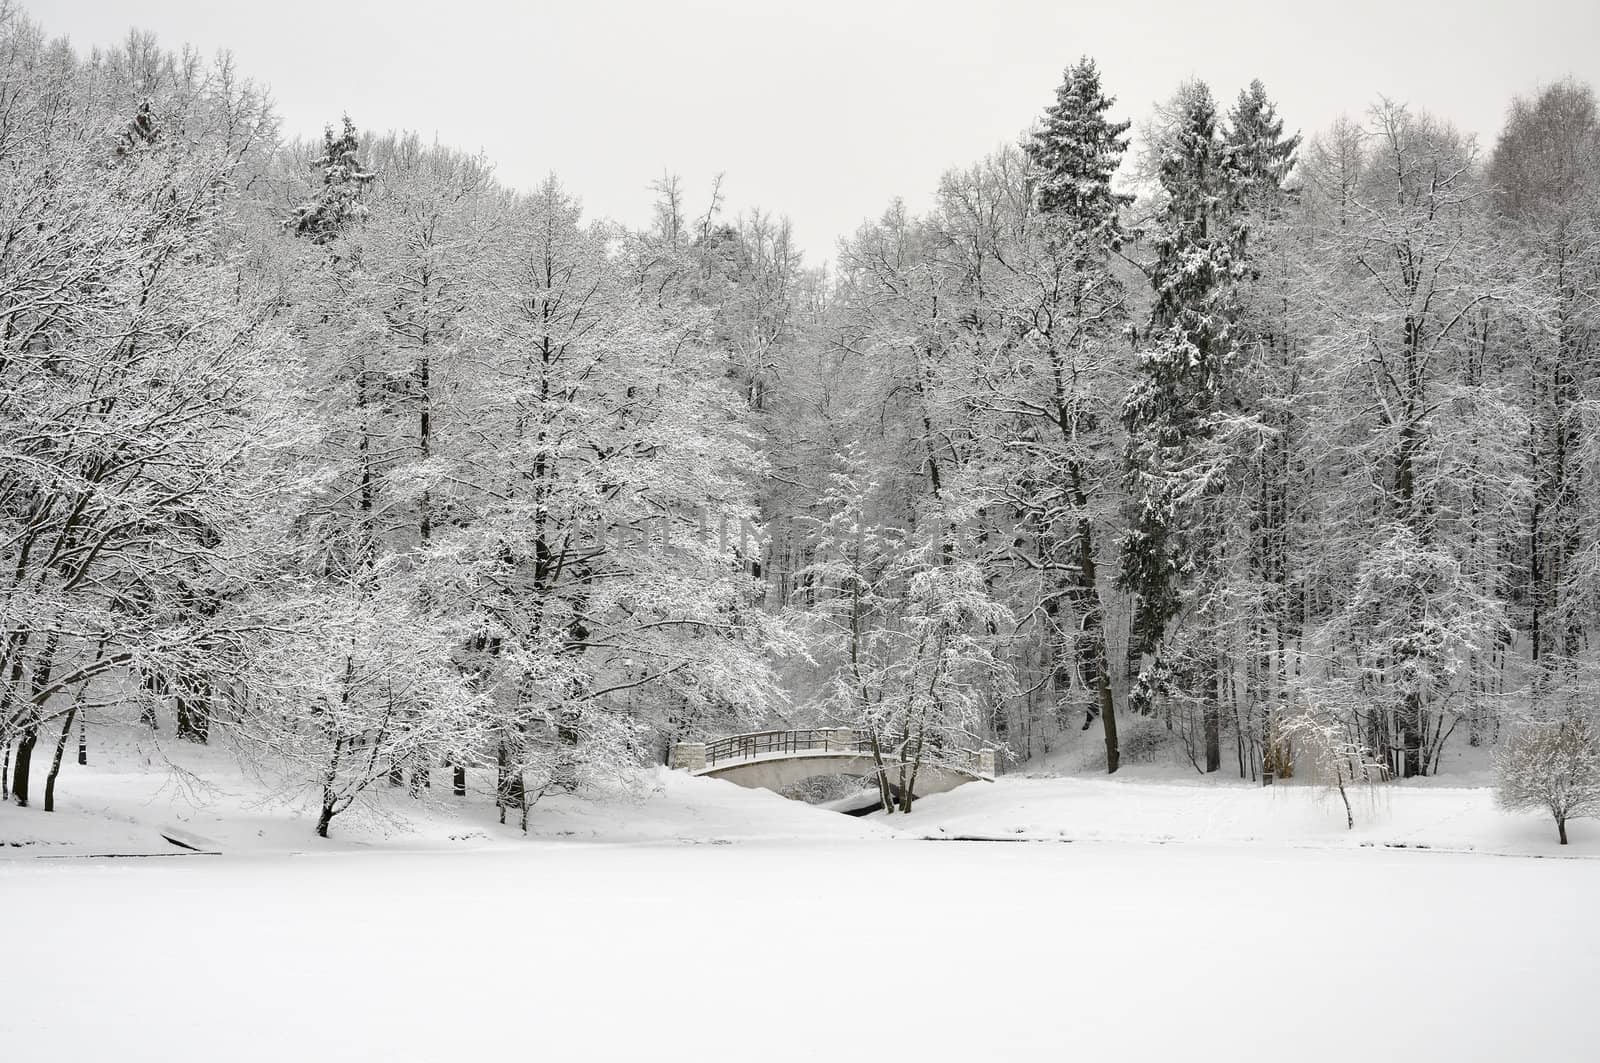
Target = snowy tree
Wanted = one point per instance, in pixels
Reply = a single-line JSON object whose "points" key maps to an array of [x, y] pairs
{"points": [[349, 683], [1546, 172], [1186, 427], [849, 582], [1257, 150], [1260, 604], [1554, 767], [1320, 742], [1077, 152], [938, 667], [1409, 288], [340, 201], [137, 406], [599, 543], [1071, 312]]}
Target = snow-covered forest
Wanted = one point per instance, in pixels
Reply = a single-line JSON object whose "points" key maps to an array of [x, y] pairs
{"points": [[1270, 453], [530, 631]]}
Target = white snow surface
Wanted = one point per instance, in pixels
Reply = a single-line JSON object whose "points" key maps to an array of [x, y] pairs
{"points": [[1220, 812], [1143, 918]]}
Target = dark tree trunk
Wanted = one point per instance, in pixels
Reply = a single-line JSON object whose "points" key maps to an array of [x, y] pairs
{"points": [[22, 772], [885, 793], [1212, 719], [1561, 828], [458, 781], [55, 761], [1410, 726], [1092, 655]]}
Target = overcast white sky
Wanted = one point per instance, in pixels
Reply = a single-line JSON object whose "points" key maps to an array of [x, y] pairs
{"points": [[825, 110]]}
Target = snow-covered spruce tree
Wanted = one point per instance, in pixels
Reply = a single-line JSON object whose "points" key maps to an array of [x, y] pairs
{"points": [[1069, 318], [1264, 595], [1076, 153], [136, 370], [1257, 151], [1553, 767], [340, 199], [1186, 427]]}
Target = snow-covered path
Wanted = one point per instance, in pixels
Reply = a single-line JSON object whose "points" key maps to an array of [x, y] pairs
{"points": [[887, 948]]}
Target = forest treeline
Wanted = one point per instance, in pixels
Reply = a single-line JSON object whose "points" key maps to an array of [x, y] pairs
{"points": [[1258, 448]]}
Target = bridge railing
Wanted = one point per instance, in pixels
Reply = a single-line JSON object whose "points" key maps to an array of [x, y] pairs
{"points": [[763, 743], [759, 744]]}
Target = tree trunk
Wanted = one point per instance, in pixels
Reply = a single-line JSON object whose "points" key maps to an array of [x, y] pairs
{"points": [[1108, 719], [1093, 657], [329, 796], [55, 761], [327, 813], [885, 795], [1410, 726], [908, 781], [1213, 720], [23, 769], [1561, 828], [565, 776]]}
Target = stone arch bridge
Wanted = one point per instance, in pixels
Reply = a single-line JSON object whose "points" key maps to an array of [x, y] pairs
{"points": [[778, 760]]}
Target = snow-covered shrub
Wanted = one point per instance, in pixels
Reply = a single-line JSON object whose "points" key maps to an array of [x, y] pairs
{"points": [[1145, 740], [1552, 766], [1331, 753]]}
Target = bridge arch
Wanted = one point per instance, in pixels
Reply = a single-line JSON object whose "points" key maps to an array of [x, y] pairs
{"points": [[778, 760]]}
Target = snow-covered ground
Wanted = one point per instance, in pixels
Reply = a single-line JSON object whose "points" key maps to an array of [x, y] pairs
{"points": [[689, 919], [1219, 812], [804, 950], [138, 788]]}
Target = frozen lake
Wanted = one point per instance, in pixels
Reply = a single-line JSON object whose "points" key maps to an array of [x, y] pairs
{"points": [[804, 950]]}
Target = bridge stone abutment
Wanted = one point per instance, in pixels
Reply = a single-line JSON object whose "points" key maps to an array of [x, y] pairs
{"points": [[689, 756]]}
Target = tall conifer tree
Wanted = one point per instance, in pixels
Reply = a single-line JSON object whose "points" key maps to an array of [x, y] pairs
{"points": [[1177, 454], [1076, 152]]}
